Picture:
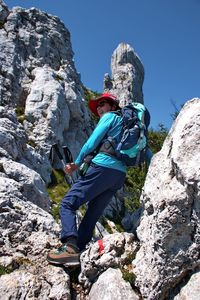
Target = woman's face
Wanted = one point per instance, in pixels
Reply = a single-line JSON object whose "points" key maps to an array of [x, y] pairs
{"points": [[103, 107]]}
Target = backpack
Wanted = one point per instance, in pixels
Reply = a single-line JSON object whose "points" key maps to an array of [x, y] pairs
{"points": [[132, 144]]}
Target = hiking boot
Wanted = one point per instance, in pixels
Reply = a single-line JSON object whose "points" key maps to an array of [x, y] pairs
{"points": [[65, 255]]}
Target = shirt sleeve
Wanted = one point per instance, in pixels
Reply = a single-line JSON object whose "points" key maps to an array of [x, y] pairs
{"points": [[96, 137]]}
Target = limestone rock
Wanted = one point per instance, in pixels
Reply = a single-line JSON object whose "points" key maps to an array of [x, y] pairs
{"points": [[117, 250], [17, 161], [32, 186], [39, 79], [127, 75], [26, 235], [41, 103], [3, 12], [12, 135], [131, 221], [116, 206], [169, 231], [191, 291], [23, 223], [111, 285], [43, 284]]}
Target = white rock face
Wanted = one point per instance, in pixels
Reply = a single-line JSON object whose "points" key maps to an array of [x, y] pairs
{"points": [[132, 220], [13, 148], [3, 12], [39, 77], [31, 183], [111, 286], [12, 136], [169, 231], [127, 75], [27, 233], [191, 291], [48, 284]]}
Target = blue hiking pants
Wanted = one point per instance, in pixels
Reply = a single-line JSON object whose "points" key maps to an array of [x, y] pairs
{"points": [[96, 187]]}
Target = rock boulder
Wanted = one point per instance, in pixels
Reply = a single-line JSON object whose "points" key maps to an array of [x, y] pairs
{"points": [[169, 230], [127, 75]]}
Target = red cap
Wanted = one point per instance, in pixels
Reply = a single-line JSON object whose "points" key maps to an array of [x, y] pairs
{"points": [[94, 102]]}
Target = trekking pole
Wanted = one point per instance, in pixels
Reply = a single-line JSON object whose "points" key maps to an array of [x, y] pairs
{"points": [[68, 159], [67, 154], [68, 178], [99, 230]]}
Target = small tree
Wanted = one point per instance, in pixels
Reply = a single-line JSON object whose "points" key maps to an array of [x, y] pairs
{"points": [[136, 175]]}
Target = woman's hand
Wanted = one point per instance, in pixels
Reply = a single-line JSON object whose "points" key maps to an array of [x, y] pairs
{"points": [[70, 168]]}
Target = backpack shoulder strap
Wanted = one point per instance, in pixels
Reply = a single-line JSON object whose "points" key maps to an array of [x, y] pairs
{"points": [[117, 112]]}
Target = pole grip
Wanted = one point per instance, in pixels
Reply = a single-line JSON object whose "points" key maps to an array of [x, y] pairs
{"points": [[55, 146], [67, 154]]}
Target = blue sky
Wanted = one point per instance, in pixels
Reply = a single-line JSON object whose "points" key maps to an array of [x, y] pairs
{"points": [[164, 33]]}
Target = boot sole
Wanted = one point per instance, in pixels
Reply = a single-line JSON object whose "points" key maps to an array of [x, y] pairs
{"points": [[64, 263]]}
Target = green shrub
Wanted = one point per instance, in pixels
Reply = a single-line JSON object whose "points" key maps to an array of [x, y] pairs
{"points": [[32, 143], [127, 270], [136, 175], [2, 24], [134, 183], [83, 209], [157, 137], [119, 227], [20, 112], [128, 276], [59, 78], [104, 223], [5, 270], [89, 94], [57, 190]]}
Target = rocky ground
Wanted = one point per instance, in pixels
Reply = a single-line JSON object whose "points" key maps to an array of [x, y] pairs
{"points": [[42, 102]]}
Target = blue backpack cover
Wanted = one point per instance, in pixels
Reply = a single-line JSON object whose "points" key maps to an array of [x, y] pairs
{"points": [[131, 149], [132, 144]]}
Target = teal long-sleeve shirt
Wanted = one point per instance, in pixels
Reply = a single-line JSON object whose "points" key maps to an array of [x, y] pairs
{"points": [[110, 124]]}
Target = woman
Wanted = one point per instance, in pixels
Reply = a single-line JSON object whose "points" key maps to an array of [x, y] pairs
{"points": [[104, 177]]}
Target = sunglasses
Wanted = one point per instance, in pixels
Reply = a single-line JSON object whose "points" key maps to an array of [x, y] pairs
{"points": [[101, 104]]}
